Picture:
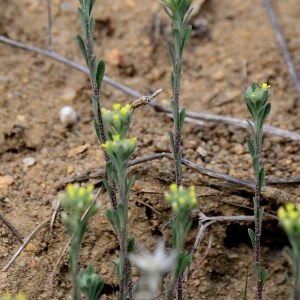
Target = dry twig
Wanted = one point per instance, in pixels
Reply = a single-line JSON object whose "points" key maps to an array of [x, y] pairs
{"points": [[12, 228], [25, 243], [283, 46], [158, 107]]}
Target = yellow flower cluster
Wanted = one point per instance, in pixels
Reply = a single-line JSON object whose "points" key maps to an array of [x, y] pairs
{"points": [[180, 199], [264, 86], [290, 218], [8, 296], [118, 120]]}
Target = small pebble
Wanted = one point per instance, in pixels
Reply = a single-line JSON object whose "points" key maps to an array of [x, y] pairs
{"points": [[114, 57], [239, 149], [68, 115], [28, 161], [68, 95], [201, 151]]}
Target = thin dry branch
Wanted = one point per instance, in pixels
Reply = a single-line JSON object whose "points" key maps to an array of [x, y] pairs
{"points": [[282, 44], [12, 228], [158, 107], [269, 193], [25, 243]]}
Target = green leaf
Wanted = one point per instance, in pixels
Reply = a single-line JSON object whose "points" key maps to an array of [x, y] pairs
{"points": [[81, 3], [260, 217], [251, 128], [255, 166], [177, 41], [255, 206], [185, 297], [91, 5], [82, 48], [121, 212], [100, 73], [92, 68], [172, 140], [264, 97], [174, 108], [95, 104], [97, 130], [252, 237], [186, 37], [131, 245], [186, 18], [172, 80], [250, 147], [92, 29], [83, 21], [266, 113], [127, 277], [167, 12], [86, 7], [246, 286], [181, 119], [114, 220], [179, 71], [170, 52], [251, 109], [257, 269], [261, 178], [264, 276], [129, 186], [254, 86]]}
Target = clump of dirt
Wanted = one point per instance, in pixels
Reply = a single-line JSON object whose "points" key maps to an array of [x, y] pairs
{"points": [[232, 45]]}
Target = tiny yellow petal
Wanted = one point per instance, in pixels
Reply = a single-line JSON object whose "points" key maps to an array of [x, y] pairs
{"points": [[289, 207], [116, 106], [116, 118], [71, 191], [104, 111], [173, 187], [264, 86], [81, 192], [281, 213], [293, 215], [116, 137]]}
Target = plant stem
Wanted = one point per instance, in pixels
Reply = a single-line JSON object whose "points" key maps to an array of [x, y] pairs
{"points": [[99, 118], [75, 244], [176, 94], [257, 240]]}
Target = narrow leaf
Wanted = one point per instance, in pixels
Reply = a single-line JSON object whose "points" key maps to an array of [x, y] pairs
{"points": [[107, 186], [260, 217], [252, 237], [255, 166], [95, 104], [177, 40], [83, 21], [178, 161], [250, 147], [100, 73], [252, 129], [86, 7], [129, 186], [82, 48], [186, 18], [92, 29], [261, 178], [266, 113], [97, 130], [167, 12], [181, 118], [92, 68], [131, 245], [170, 52], [264, 276], [257, 269], [174, 108], [172, 80], [186, 37], [91, 5], [250, 109], [172, 140]]}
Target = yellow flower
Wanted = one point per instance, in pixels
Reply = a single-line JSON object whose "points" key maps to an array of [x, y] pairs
{"points": [[116, 106], [116, 137], [289, 207], [71, 191], [104, 111], [264, 86], [281, 213], [173, 187], [125, 109]]}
